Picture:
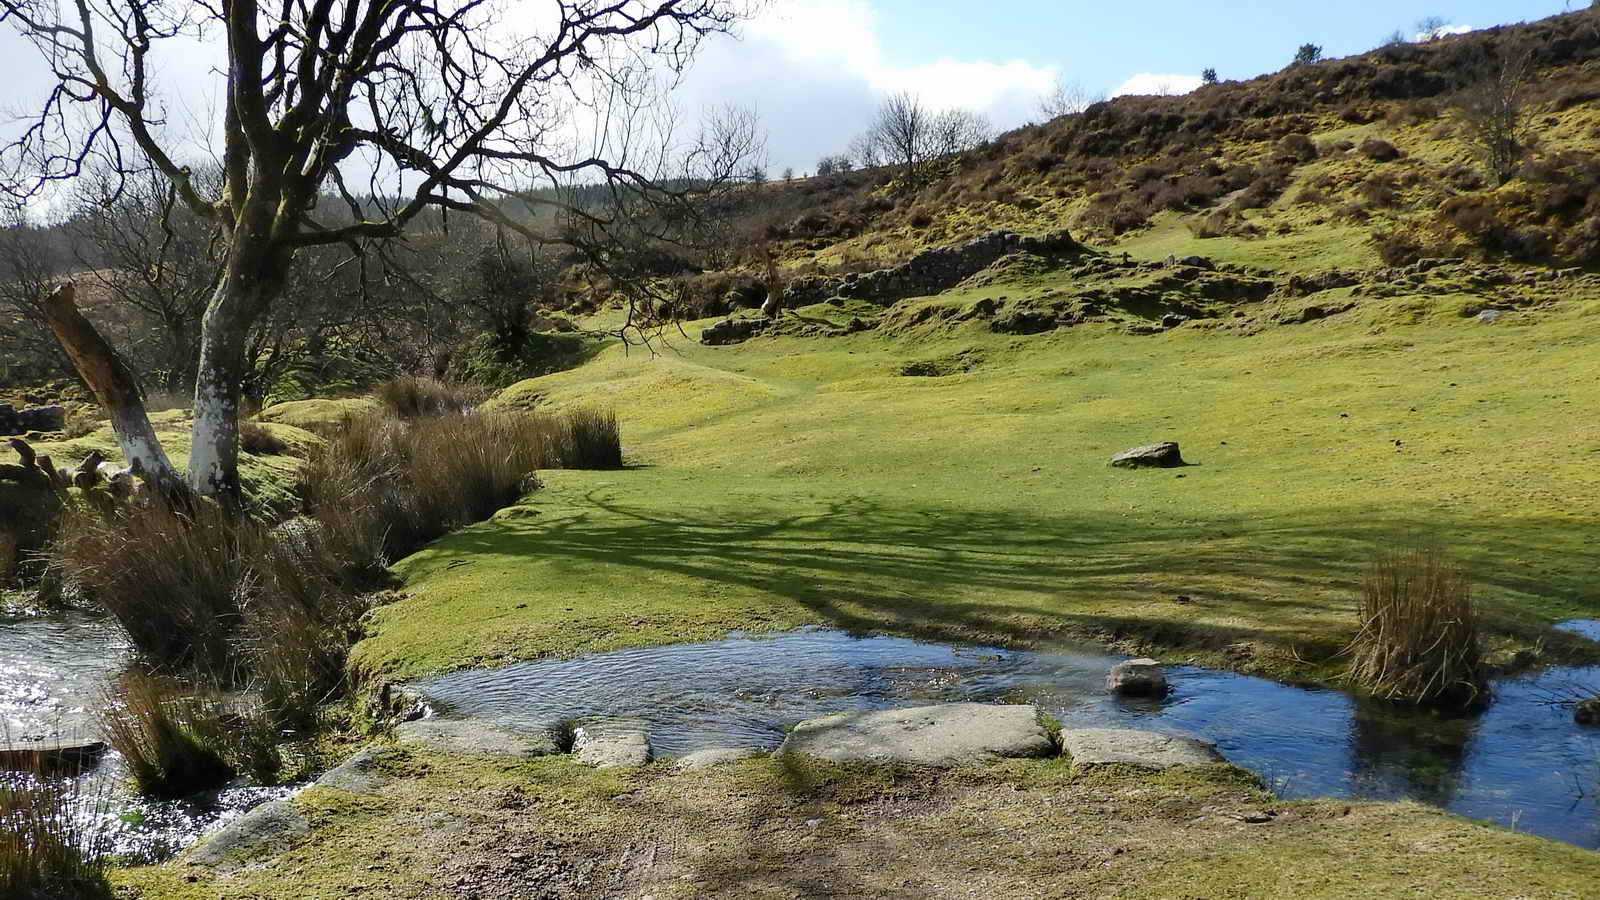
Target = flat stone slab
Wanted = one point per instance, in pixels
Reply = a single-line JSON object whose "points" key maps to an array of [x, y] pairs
{"points": [[262, 832], [945, 735], [51, 757], [705, 759], [611, 745], [476, 737], [359, 774], [1144, 749]]}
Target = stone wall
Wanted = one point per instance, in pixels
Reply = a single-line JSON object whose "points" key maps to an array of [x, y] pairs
{"points": [[930, 272], [33, 418]]}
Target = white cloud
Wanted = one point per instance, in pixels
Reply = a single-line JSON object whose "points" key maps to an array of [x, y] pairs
{"points": [[816, 71], [1434, 34], [1156, 83]]}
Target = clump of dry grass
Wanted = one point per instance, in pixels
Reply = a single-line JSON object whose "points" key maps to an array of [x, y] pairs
{"points": [[169, 740], [258, 439], [49, 848], [415, 397], [1419, 633]]}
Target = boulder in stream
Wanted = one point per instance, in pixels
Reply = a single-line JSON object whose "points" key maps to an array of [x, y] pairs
{"points": [[1141, 749], [945, 735], [1137, 678], [1587, 712]]}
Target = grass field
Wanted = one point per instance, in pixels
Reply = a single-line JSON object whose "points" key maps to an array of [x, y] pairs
{"points": [[796, 480]]}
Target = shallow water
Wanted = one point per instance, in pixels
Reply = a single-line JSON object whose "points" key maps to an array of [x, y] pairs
{"points": [[52, 669], [1522, 763]]}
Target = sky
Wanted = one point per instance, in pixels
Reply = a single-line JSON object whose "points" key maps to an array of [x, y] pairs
{"points": [[815, 70]]}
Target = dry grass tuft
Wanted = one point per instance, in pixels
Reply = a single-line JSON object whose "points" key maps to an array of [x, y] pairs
{"points": [[415, 397], [169, 740], [49, 847], [258, 439], [1419, 633]]}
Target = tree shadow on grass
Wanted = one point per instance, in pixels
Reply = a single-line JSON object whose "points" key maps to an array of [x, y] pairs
{"points": [[1019, 577]]}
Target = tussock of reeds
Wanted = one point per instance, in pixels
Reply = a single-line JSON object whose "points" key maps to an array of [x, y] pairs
{"points": [[50, 845], [1419, 634]]}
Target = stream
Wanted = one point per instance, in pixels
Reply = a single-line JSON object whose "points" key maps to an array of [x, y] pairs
{"points": [[1521, 763], [52, 671]]}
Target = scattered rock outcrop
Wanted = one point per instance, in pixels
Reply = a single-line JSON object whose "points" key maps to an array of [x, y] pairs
{"points": [[1137, 678], [1142, 749], [733, 331], [932, 271], [1151, 456], [31, 418], [945, 735]]}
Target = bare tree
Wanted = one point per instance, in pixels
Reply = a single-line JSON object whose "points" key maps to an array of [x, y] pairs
{"points": [[1492, 115], [29, 264], [1432, 28], [1067, 98], [909, 135], [449, 104], [864, 151]]}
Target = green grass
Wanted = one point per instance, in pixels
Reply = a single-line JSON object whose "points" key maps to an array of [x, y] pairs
{"points": [[790, 481], [268, 480]]}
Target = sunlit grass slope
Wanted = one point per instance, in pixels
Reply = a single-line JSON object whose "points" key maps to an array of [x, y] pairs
{"points": [[799, 480]]}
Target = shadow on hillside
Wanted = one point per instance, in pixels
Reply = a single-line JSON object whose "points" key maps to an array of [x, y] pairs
{"points": [[860, 565]]}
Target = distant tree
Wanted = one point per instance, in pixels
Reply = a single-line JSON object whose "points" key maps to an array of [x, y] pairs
{"points": [[788, 173], [1396, 38], [825, 167], [1308, 54], [756, 174], [1067, 98], [1431, 28], [842, 163], [864, 151], [1209, 76], [909, 135], [1491, 110]]}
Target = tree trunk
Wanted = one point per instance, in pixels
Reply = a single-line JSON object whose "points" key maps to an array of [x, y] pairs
{"points": [[252, 280], [116, 389]]}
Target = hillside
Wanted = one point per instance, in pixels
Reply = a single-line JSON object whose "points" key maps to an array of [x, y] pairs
{"points": [[1364, 159]]}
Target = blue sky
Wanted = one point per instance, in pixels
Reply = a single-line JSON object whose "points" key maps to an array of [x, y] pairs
{"points": [[1105, 40], [816, 68]]}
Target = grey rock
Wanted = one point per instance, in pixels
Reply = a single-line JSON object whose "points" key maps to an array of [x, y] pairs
{"points": [[1151, 456], [1127, 747], [1137, 678], [612, 745], [1024, 321], [263, 832], [945, 735], [1489, 316], [733, 331], [1173, 320], [475, 737], [1587, 712], [359, 774], [705, 759]]}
